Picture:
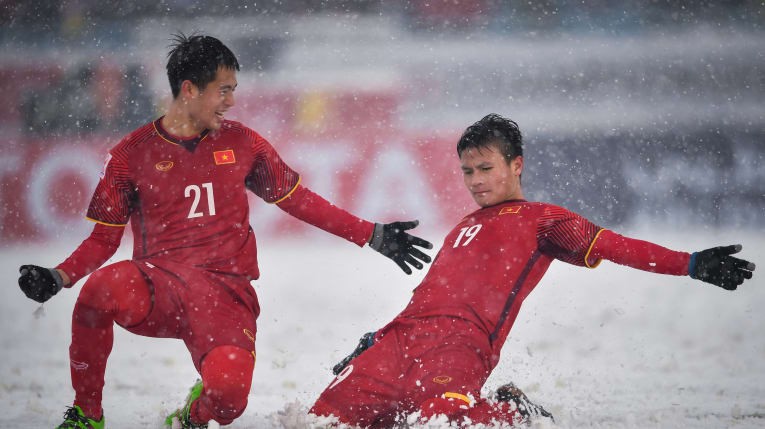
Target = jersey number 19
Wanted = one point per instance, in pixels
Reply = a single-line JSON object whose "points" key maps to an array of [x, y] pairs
{"points": [[468, 233]]}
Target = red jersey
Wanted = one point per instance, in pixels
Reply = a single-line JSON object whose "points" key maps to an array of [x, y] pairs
{"points": [[494, 258], [186, 199]]}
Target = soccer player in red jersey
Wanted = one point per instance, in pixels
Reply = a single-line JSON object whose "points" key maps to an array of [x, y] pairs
{"points": [[436, 355], [181, 182]]}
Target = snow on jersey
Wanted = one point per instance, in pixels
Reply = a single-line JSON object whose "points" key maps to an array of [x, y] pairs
{"points": [[493, 259], [186, 200]]}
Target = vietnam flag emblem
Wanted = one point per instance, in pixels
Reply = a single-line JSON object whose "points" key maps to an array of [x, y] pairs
{"points": [[224, 157], [510, 210]]}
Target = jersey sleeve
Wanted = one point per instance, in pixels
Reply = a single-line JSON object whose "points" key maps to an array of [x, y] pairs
{"points": [[92, 253], [270, 178], [639, 254], [315, 210], [566, 236], [112, 201]]}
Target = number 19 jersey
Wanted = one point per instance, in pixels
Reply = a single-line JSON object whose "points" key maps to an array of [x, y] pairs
{"points": [[494, 258], [186, 200]]}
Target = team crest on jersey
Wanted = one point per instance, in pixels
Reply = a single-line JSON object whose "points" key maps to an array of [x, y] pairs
{"points": [[224, 157], [442, 379], [510, 210], [163, 165]]}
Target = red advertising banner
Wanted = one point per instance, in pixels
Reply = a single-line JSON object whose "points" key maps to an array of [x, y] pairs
{"points": [[345, 146]]}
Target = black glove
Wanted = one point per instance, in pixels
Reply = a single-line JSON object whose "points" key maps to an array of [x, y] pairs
{"points": [[717, 267], [392, 240], [39, 283], [365, 342]]}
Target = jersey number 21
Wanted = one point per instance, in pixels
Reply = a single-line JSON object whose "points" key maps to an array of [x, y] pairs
{"points": [[194, 191]]}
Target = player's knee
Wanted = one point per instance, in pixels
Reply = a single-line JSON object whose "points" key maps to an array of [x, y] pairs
{"points": [[225, 406], [116, 292], [95, 292], [95, 304], [227, 375], [358, 415], [322, 409]]}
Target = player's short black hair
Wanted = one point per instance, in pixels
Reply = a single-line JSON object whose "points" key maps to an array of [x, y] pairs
{"points": [[493, 129], [197, 58]]}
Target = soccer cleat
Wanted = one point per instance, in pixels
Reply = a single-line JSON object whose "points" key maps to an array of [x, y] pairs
{"points": [[528, 410], [74, 418], [180, 418]]}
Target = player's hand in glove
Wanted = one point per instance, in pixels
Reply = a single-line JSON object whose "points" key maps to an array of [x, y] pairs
{"points": [[366, 341], [717, 267], [392, 240], [39, 283]]}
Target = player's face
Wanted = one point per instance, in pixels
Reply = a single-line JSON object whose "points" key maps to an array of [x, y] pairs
{"points": [[489, 178], [208, 106]]}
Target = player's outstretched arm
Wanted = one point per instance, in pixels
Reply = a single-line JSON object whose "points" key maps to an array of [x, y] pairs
{"points": [[715, 265], [392, 240], [718, 267], [38, 283]]}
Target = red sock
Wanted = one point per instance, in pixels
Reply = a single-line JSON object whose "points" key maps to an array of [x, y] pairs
{"points": [[227, 378], [92, 339]]}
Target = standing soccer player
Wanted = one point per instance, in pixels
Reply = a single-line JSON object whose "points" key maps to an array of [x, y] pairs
{"points": [[181, 182], [436, 355]]}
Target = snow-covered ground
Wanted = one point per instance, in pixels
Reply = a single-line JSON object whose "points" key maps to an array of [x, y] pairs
{"points": [[607, 348]]}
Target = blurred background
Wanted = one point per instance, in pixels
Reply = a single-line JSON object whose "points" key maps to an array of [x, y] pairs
{"points": [[632, 112]]}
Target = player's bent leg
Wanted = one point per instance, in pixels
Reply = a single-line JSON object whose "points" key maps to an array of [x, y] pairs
{"points": [[116, 292], [459, 408], [359, 395], [451, 405], [487, 413], [227, 378], [333, 395], [352, 415], [323, 409]]}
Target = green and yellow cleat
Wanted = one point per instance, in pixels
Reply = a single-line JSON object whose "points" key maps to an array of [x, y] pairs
{"points": [[180, 418], [74, 418]]}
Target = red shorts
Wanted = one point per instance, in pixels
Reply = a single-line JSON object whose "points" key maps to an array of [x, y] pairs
{"points": [[204, 309], [412, 360]]}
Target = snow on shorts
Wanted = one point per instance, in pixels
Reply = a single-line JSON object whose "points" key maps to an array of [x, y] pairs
{"points": [[411, 361], [204, 309]]}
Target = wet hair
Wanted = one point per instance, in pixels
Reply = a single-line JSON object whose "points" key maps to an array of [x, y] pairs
{"points": [[197, 58], [493, 130]]}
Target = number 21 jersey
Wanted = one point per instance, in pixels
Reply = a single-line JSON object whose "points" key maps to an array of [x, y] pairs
{"points": [[186, 200]]}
